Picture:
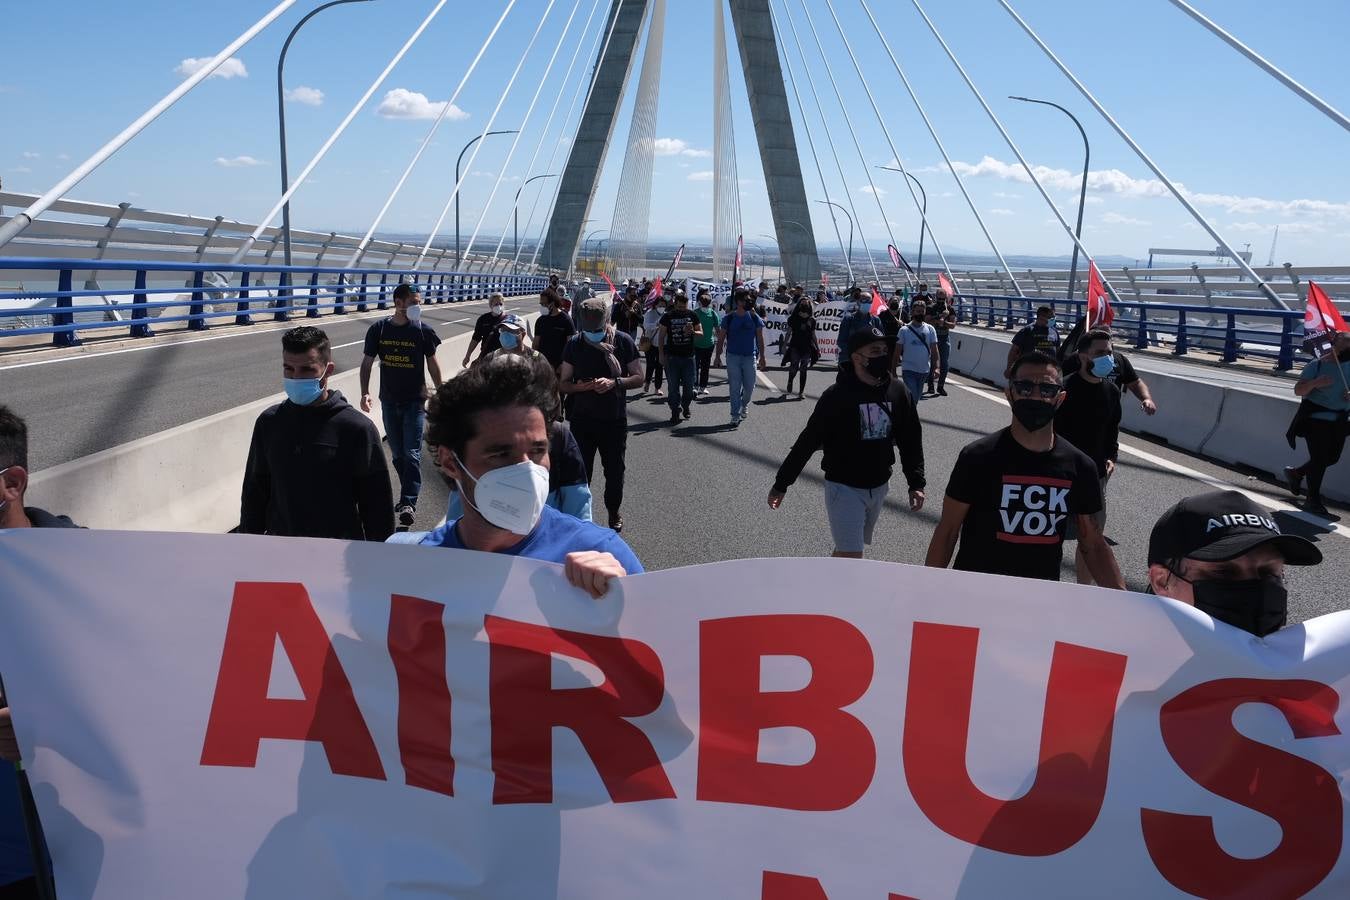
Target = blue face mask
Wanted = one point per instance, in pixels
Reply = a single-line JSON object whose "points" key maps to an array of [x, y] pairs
{"points": [[509, 341], [595, 337], [1103, 366], [303, 391]]}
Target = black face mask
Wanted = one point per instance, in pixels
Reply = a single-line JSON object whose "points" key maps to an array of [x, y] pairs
{"points": [[1033, 415], [1256, 605], [878, 367]]}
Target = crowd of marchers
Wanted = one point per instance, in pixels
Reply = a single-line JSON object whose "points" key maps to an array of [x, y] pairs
{"points": [[516, 433]]}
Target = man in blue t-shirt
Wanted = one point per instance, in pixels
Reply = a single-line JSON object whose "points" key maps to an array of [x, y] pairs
{"points": [[489, 428], [1324, 388], [404, 347], [742, 333]]}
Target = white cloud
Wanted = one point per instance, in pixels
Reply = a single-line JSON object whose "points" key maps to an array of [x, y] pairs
{"points": [[305, 95], [230, 68], [238, 162], [21, 170], [705, 175], [1114, 218], [1269, 227], [1091, 201], [401, 103], [1004, 195], [868, 189], [683, 165], [677, 147], [999, 211], [29, 154]]}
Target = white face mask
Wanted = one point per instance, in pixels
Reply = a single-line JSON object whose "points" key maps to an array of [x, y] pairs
{"points": [[496, 310], [414, 314], [545, 310], [512, 497]]}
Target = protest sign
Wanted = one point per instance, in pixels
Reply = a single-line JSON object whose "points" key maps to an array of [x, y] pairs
{"points": [[237, 716]]}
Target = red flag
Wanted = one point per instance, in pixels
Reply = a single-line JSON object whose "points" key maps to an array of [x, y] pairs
{"points": [[945, 284], [1321, 321], [1100, 313], [878, 302], [740, 252], [612, 288], [897, 260], [656, 293]]}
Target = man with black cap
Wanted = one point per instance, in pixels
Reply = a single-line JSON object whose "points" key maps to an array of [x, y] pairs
{"points": [[1225, 555], [599, 366], [860, 420]]}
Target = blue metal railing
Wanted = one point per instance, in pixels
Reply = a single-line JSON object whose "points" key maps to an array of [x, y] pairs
{"points": [[277, 290], [1182, 327]]}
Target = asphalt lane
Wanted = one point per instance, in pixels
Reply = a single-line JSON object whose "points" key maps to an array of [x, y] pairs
{"points": [[86, 402], [697, 493]]}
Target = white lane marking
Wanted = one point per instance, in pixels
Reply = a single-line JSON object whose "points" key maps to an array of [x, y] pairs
{"points": [[243, 330], [1218, 483], [363, 340]]}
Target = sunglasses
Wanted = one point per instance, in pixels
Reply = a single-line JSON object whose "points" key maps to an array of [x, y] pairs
{"points": [[1047, 390]]}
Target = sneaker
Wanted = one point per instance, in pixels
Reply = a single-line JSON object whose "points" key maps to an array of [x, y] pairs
{"points": [[659, 393], [1316, 507], [674, 418], [942, 392], [406, 514], [616, 520], [1294, 478], [801, 395], [687, 414]]}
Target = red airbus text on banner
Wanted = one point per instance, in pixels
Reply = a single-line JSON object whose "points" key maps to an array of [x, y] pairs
{"points": [[1321, 321], [1100, 313], [945, 284], [612, 288], [878, 302]]}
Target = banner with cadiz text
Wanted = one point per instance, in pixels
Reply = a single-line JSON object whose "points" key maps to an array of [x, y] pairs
{"points": [[234, 716]]}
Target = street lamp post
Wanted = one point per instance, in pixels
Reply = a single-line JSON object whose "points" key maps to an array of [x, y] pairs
{"points": [[586, 244], [923, 219], [848, 260], [281, 120], [515, 216], [458, 256], [1082, 193], [780, 254]]}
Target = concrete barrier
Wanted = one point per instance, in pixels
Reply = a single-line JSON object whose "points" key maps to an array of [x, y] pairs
{"points": [[187, 478]]}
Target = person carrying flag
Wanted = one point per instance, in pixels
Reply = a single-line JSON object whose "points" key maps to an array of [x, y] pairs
{"points": [[1322, 420]]}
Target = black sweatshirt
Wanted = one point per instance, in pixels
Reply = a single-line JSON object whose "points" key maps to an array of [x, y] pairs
{"points": [[317, 471], [860, 426], [1089, 418]]}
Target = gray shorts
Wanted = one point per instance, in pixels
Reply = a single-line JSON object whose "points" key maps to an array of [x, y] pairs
{"points": [[853, 513], [1099, 517]]}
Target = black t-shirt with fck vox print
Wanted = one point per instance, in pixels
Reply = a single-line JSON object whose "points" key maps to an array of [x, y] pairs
{"points": [[1020, 504]]}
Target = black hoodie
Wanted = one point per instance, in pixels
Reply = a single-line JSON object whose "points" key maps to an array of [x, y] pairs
{"points": [[860, 426], [317, 471]]}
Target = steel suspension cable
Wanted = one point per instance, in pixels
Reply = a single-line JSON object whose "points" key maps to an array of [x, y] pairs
{"points": [[478, 145], [829, 136], [634, 201], [23, 219], [876, 110], [520, 133], [252, 239], [810, 141], [941, 148], [726, 175], [360, 251], [852, 132]]}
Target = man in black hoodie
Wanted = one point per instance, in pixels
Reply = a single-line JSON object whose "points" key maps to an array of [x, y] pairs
{"points": [[860, 420], [315, 467]]}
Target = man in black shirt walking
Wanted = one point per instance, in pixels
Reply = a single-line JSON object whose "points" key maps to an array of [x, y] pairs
{"points": [[552, 329], [315, 466], [1089, 418], [1012, 493], [1041, 337], [675, 337], [485, 330], [406, 349], [860, 420], [942, 316]]}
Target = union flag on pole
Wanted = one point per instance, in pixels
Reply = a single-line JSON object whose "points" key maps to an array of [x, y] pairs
{"points": [[612, 288], [945, 284], [1100, 313], [740, 252], [1321, 321], [878, 302]]}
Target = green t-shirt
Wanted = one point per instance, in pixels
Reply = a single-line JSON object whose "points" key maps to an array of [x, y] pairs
{"points": [[708, 318], [1333, 396]]}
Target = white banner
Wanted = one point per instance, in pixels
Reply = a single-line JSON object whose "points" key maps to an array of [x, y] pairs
{"points": [[827, 315], [235, 716]]}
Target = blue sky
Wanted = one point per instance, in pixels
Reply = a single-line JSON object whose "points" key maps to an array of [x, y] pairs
{"points": [[1251, 153]]}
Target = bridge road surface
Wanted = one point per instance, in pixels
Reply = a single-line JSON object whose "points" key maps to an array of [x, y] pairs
{"points": [[693, 494]]}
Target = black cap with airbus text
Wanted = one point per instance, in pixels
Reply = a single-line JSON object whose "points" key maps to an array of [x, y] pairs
{"points": [[1220, 526]]}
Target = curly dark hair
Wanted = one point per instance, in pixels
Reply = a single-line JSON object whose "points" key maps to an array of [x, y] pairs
{"points": [[501, 382], [304, 338], [13, 439]]}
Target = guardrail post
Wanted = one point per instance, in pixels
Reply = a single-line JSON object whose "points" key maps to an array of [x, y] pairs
{"points": [[313, 304], [1286, 358], [197, 307], [339, 308], [1008, 313], [242, 317], [139, 314], [1230, 342], [1141, 337], [1182, 344], [63, 301], [1134, 286], [365, 281], [283, 297], [384, 290]]}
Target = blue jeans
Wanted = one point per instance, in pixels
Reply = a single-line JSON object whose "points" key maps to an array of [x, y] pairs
{"points": [[403, 421], [741, 378], [680, 382], [914, 381]]}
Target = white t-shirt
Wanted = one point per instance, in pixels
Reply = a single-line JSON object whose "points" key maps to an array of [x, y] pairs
{"points": [[914, 349]]}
